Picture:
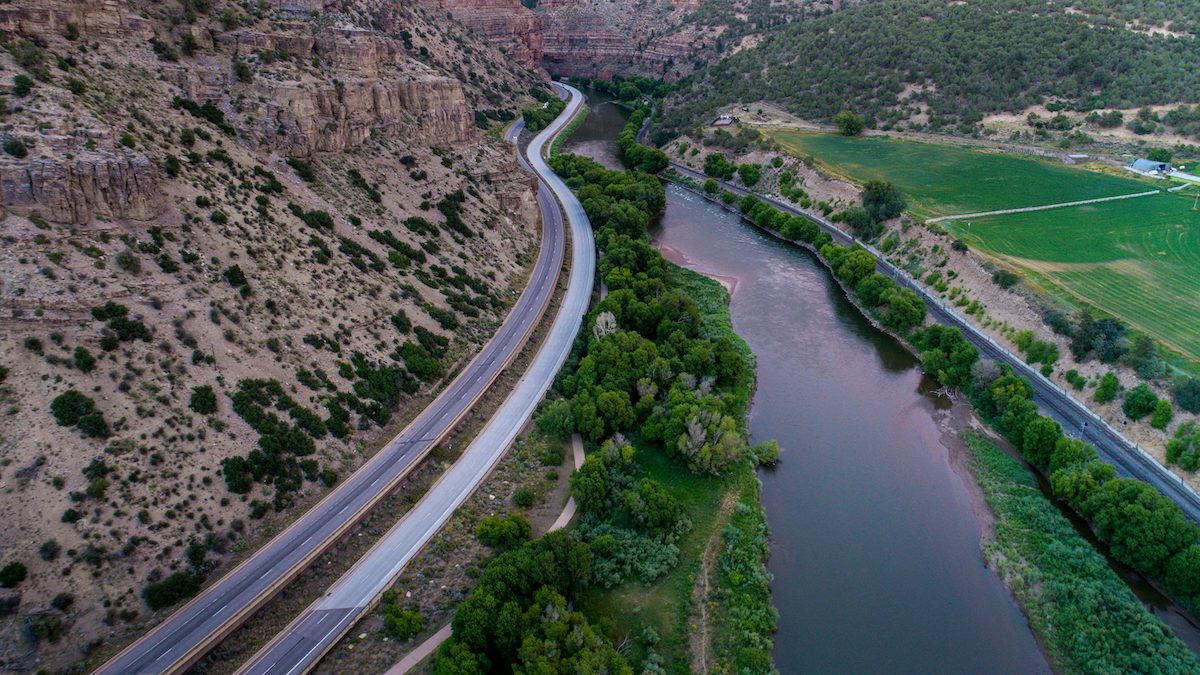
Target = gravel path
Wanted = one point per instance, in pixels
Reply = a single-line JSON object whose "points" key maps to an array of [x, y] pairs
{"points": [[1027, 209]]}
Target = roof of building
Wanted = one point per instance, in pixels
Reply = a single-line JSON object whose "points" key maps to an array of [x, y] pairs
{"points": [[1147, 165]]}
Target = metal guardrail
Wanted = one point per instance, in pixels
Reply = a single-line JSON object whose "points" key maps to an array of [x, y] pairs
{"points": [[963, 324], [1153, 465]]}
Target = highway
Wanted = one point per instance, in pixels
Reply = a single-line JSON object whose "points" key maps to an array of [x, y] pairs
{"points": [[300, 646], [1076, 419], [185, 636]]}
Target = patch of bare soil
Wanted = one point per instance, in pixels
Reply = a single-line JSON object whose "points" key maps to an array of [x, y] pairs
{"points": [[952, 423]]}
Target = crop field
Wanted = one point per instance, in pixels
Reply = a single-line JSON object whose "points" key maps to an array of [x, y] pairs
{"points": [[942, 180], [1138, 259]]}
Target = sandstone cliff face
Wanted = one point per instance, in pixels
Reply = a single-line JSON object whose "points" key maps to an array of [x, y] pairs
{"points": [[92, 19], [507, 24], [298, 121], [379, 89], [598, 39], [78, 190]]}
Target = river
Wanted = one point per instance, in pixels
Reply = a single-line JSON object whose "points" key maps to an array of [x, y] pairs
{"points": [[875, 521]]}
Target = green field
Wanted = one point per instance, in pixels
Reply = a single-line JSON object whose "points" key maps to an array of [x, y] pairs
{"points": [[1138, 259], [942, 180]]}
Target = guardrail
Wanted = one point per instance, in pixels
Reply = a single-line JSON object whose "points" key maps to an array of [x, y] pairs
{"points": [[902, 276], [1013, 360]]}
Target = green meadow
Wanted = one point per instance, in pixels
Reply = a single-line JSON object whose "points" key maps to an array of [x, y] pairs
{"points": [[942, 180], [1138, 259]]}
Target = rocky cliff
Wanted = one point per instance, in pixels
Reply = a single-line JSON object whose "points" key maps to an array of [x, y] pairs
{"points": [[295, 192], [505, 23]]}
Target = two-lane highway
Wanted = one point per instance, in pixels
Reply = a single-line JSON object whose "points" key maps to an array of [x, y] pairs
{"points": [[1075, 418], [195, 628], [299, 647]]}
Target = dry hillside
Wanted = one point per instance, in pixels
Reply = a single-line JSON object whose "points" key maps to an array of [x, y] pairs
{"points": [[239, 238]]}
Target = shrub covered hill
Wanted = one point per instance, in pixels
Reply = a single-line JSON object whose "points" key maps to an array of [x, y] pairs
{"points": [[937, 65], [239, 239]]}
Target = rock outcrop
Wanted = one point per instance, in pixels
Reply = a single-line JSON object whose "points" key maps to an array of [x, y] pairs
{"points": [[91, 19], [508, 24], [298, 121], [79, 189]]}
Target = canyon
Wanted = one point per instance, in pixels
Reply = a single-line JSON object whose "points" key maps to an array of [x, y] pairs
{"points": [[199, 202]]}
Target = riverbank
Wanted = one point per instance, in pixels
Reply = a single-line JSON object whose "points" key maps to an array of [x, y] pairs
{"points": [[1168, 647], [1086, 617]]}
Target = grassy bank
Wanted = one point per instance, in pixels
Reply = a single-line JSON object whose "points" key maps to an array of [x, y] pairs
{"points": [[566, 133], [1086, 617], [714, 606]]}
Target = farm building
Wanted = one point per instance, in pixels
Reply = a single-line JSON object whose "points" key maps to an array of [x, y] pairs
{"points": [[1149, 167], [723, 121]]}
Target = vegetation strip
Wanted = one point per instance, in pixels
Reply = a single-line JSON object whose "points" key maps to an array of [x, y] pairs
{"points": [[1062, 583], [660, 383]]}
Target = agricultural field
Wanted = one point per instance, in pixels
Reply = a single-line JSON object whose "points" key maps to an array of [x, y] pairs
{"points": [[1138, 259], [942, 180]]}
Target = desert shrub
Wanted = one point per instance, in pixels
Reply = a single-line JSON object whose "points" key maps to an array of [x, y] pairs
{"points": [[176, 587], [504, 533], [12, 574], [1162, 414], [84, 360], [203, 400], [16, 148]]}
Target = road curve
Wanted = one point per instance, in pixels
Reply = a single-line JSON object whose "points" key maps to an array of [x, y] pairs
{"points": [[1076, 419], [300, 646], [186, 635]]}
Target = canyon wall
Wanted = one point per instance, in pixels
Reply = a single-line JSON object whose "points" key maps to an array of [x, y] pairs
{"points": [[508, 24]]}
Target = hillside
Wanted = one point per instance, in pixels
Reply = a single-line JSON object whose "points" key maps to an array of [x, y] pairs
{"points": [[938, 66], [665, 39], [239, 243]]}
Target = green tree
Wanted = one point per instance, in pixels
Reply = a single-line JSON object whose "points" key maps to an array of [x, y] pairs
{"points": [[589, 484], [1139, 402], [1107, 389], [1162, 415], [862, 223], [504, 533], [883, 200], [1159, 154], [710, 186], [1182, 575], [1041, 436], [555, 419], [1186, 392], [904, 309], [749, 174], [848, 123], [856, 264], [1144, 529]]}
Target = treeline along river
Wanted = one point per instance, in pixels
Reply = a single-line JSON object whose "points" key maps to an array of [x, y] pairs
{"points": [[875, 522]]}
